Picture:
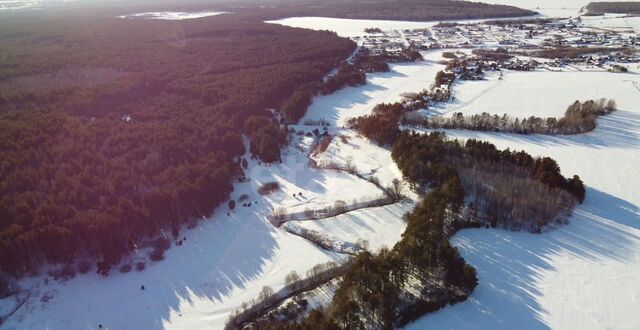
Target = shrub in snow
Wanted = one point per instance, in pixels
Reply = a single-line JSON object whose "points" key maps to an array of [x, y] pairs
{"points": [[64, 273], [268, 188], [125, 268], [7, 285], [156, 255], [84, 266], [266, 295], [103, 268], [140, 265], [160, 245]]}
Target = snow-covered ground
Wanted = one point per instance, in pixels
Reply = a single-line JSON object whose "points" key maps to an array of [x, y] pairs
{"points": [[368, 158], [382, 87], [365, 224], [585, 275], [319, 188], [614, 22], [540, 93], [349, 28], [174, 15]]}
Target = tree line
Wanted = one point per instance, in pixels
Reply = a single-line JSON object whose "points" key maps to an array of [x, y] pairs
{"points": [[387, 10], [96, 169], [580, 117], [617, 7]]}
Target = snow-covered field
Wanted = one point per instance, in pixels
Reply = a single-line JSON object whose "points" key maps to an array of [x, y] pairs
{"points": [[320, 188], [382, 87], [585, 275], [614, 22], [349, 27], [582, 276], [174, 15], [540, 93], [379, 226], [368, 158]]}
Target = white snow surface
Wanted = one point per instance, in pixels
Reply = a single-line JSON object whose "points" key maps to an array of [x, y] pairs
{"points": [[585, 275], [540, 93], [367, 224], [381, 87], [349, 27], [174, 15], [369, 159], [614, 22]]}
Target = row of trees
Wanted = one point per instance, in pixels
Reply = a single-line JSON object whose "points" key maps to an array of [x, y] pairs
{"points": [[392, 10], [619, 7], [580, 117], [381, 125], [347, 75], [96, 169]]}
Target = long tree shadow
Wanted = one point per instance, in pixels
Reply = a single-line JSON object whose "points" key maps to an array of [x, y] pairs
{"points": [[511, 264]]}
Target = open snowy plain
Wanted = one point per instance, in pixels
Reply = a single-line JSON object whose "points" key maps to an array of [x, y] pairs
{"points": [[539, 93], [585, 275]]}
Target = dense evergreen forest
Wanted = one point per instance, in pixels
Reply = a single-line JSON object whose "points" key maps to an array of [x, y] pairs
{"points": [[505, 188], [614, 7], [405, 10], [112, 130]]}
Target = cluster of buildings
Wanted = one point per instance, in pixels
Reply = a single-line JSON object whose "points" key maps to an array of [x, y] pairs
{"points": [[526, 36]]}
